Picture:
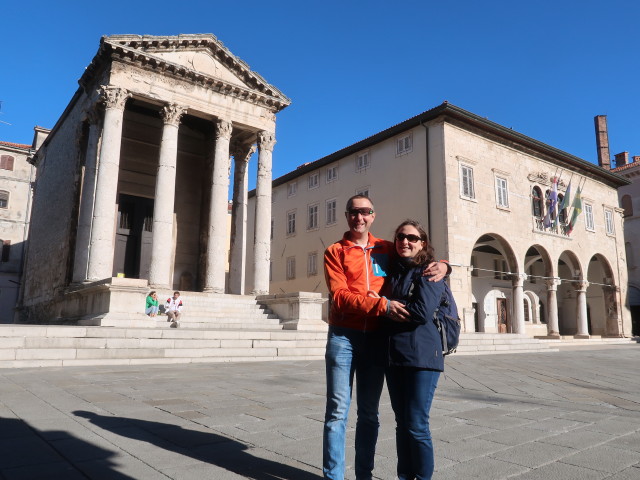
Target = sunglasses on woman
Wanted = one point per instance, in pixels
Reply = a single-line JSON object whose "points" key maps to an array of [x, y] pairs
{"points": [[411, 238]]}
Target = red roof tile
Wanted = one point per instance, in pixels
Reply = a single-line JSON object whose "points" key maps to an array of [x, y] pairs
{"points": [[16, 145]]}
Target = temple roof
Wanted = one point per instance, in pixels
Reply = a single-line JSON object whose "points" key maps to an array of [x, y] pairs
{"points": [[200, 58]]}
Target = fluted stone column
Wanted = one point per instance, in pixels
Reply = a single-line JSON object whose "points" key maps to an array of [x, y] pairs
{"points": [[218, 241], [165, 194], [83, 236], [553, 328], [262, 246], [581, 309], [238, 256], [518, 302], [101, 248]]}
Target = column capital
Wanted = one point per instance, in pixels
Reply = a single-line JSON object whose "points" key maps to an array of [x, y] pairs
{"points": [[266, 140], [553, 283], [517, 279], [172, 113], [113, 97], [242, 151], [581, 285], [223, 129]]}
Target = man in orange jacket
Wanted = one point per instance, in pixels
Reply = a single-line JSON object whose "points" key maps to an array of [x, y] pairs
{"points": [[355, 268]]}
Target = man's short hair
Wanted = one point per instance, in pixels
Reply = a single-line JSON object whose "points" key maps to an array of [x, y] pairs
{"points": [[365, 197], [176, 292]]}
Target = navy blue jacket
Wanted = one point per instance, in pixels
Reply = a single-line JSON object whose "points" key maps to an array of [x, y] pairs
{"points": [[415, 343]]}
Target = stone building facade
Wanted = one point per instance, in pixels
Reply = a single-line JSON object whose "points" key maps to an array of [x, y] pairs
{"points": [[630, 203], [16, 177], [483, 192], [133, 180]]}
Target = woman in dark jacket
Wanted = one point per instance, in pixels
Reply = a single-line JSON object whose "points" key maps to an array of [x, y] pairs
{"points": [[414, 355]]}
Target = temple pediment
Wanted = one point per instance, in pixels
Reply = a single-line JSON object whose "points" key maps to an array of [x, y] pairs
{"points": [[201, 58]]}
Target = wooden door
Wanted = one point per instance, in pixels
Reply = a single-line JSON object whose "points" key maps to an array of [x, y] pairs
{"points": [[503, 316]]}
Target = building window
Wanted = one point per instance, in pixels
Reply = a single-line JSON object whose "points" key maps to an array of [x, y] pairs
{"points": [[271, 271], [608, 221], [332, 173], [631, 261], [362, 161], [273, 224], [4, 199], [291, 223], [501, 269], [502, 196], [562, 212], [627, 204], [291, 268], [404, 145], [6, 247], [588, 217], [466, 182], [312, 264], [312, 217], [6, 162], [363, 191], [314, 180], [331, 212], [537, 203], [292, 189]]}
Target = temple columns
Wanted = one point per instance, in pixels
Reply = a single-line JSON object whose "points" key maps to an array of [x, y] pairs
{"points": [[553, 328], [218, 208], [83, 237], [238, 253], [104, 213], [262, 245], [165, 192]]}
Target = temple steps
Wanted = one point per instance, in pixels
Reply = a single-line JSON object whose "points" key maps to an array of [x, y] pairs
{"points": [[59, 345]]}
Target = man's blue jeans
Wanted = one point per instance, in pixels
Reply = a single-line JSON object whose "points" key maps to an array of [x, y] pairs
{"points": [[348, 352], [411, 391]]}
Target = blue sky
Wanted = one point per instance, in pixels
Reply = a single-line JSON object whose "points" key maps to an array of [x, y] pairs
{"points": [[353, 68]]}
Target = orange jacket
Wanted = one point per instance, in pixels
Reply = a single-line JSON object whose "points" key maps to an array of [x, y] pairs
{"points": [[351, 271]]}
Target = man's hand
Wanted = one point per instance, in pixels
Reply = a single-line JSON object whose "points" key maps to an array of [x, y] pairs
{"points": [[397, 311], [437, 270]]}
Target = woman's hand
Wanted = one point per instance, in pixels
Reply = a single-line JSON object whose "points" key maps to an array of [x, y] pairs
{"points": [[397, 311], [437, 271]]}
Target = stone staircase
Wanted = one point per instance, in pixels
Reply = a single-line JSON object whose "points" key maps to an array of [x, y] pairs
{"points": [[218, 311], [477, 343], [63, 345]]}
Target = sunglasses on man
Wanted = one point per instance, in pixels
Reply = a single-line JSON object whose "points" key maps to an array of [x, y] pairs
{"points": [[411, 238], [354, 212]]}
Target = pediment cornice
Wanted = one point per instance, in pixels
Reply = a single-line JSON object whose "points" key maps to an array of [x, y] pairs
{"points": [[144, 52]]}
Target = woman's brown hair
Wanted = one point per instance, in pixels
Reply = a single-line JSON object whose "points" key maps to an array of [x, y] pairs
{"points": [[426, 255]]}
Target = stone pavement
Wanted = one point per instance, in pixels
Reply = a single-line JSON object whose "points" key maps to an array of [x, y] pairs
{"points": [[564, 415]]}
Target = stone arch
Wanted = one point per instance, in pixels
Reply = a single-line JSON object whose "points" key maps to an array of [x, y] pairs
{"points": [[602, 298], [494, 263], [533, 315], [569, 270]]}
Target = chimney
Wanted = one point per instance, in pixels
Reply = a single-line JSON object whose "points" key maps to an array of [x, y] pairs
{"points": [[602, 141], [622, 159], [636, 158]]}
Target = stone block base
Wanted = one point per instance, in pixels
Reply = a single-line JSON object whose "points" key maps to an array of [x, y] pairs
{"points": [[297, 311]]}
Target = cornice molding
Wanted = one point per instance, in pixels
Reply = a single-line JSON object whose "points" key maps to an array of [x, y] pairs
{"points": [[138, 51]]}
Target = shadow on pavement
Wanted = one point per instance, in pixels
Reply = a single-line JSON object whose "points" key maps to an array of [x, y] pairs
{"points": [[28, 453], [203, 446]]}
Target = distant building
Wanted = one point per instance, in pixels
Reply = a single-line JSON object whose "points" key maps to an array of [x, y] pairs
{"points": [[484, 192], [629, 196], [16, 177], [133, 181]]}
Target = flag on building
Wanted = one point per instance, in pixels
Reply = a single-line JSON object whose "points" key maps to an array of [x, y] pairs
{"points": [[553, 200], [563, 204], [577, 209]]}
